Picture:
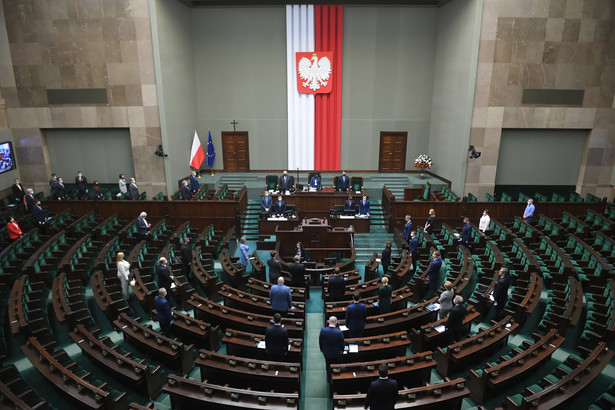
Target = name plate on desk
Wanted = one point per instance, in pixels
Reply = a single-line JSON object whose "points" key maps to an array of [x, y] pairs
{"points": [[275, 218], [347, 217]]}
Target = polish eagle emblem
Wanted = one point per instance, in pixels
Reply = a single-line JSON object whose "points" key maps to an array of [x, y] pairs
{"points": [[314, 73]]}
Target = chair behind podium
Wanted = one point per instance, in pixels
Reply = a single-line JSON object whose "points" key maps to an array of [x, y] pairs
{"points": [[271, 182], [313, 174], [336, 181], [356, 183]]}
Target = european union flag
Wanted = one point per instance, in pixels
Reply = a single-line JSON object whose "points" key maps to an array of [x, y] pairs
{"points": [[211, 152]]}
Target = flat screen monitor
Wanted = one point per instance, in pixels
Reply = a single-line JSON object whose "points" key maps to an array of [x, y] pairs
{"points": [[7, 158], [330, 261]]}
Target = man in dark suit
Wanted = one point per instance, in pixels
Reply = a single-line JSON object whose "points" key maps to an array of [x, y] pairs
{"points": [[349, 204], [407, 228], [164, 314], [500, 293], [286, 182], [413, 249], [275, 268], [276, 340], [331, 342], [280, 206], [280, 298], [433, 274], [466, 233], [133, 189], [454, 323], [165, 279], [18, 192], [186, 256], [185, 191], [355, 317], [194, 183], [30, 200], [297, 272], [142, 226], [343, 182], [336, 286], [55, 187], [364, 206], [382, 393], [61, 189], [82, 185], [38, 213], [266, 204]]}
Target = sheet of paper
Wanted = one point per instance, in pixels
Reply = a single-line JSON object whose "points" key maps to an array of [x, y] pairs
{"points": [[440, 328], [343, 328], [353, 348], [261, 344]]}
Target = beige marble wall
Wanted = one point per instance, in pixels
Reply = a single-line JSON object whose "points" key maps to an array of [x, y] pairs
{"points": [[80, 44], [564, 44]]}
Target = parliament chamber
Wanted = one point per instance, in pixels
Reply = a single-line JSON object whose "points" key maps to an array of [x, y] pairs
{"points": [[250, 159]]}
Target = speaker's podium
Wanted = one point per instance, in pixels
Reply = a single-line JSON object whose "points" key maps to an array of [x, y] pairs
{"points": [[319, 239]]}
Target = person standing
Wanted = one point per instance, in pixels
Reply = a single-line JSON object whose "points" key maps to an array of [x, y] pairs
{"points": [[500, 292], [413, 249], [433, 274], [55, 186], [275, 268], [280, 297], [407, 228], [297, 272], [194, 183], [300, 251], [133, 189], [349, 205], [18, 192], [331, 342], [186, 255], [142, 226], [280, 206], [96, 194], [528, 214], [355, 317], [364, 206], [122, 184], [384, 296], [485, 220], [165, 279], [123, 274], [446, 299], [286, 182], [431, 219], [266, 203], [466, 233], [336, 286], [382, 393], [385, 259], [14, 229], [39, 216], [454, 324], [315, 181], [185, 193], [164, 314], [61, 189], [30, 200], [276, 340], [82, 185], [343, 182], [244, 251]]}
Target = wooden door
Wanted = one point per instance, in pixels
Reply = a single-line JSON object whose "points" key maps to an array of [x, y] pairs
{"points": [[235, 151], [392, 157]]}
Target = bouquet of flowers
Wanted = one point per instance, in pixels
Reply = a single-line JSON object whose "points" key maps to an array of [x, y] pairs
{"points": [[423, 162]]}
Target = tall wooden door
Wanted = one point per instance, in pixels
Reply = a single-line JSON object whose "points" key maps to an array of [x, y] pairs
{"points": [[392, 156], [235, 151]]}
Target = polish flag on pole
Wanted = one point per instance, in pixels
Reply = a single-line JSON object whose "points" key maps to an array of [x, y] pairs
{"points": [[197, 155]]}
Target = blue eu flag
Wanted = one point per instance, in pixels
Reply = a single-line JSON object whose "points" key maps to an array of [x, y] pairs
{"points": [[211, 152]]}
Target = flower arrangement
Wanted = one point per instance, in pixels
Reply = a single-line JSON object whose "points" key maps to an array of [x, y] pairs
{"points": [[423, 162]]}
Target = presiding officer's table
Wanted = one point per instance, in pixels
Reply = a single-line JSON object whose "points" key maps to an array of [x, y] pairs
{"points": [[268, 226], [321, 201]]}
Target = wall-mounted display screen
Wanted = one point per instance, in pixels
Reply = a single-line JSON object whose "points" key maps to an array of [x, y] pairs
{"points": [[7, 159]]}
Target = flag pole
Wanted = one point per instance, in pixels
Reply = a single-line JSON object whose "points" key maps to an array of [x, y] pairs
{"points": [[211, 168]]}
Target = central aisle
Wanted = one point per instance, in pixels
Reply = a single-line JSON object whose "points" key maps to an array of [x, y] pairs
{"points": [[314, 387]]}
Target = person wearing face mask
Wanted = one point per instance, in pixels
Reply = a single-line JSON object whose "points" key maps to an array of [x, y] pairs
{"points": [[133, 189], [266, 204], [286, 182], [61, 189], [55, 187], [343, 182], [122, 184], [528, 214], [82, 185]]}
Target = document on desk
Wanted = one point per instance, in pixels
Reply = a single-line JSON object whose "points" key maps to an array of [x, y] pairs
{"points": [[261, 344], [440, 328], [353, 348], [343, 328]]}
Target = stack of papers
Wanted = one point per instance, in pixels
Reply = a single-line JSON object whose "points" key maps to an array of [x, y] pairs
{"points": [[440, 328], [343, 328], [433, 306]]}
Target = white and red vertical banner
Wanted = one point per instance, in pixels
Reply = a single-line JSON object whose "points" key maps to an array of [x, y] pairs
{"points": [[314, 70]]}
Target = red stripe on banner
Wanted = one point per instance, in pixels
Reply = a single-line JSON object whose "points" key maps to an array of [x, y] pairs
{"points": [[328, 33]]}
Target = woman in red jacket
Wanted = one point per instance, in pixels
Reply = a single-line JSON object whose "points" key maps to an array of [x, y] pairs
{"points": [[14, 229]]}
